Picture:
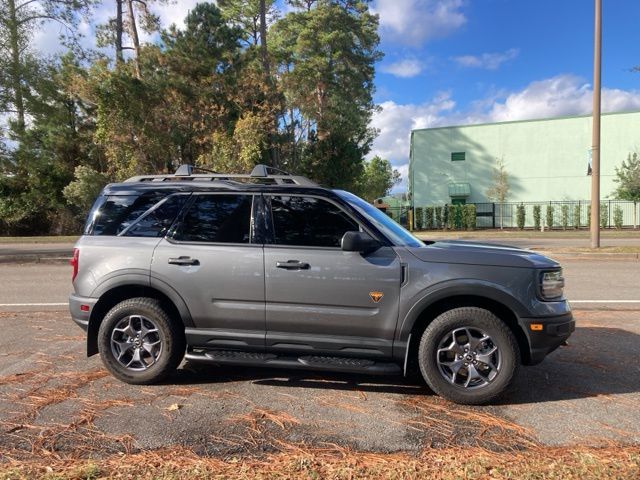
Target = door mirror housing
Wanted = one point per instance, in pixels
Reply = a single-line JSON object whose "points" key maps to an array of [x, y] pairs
{"points": [[359, 242]]}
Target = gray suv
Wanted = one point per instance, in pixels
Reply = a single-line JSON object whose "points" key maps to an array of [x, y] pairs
{"points": [[270, 269]]}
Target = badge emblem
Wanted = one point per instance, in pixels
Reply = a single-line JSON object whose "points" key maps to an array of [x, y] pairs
{"points": [[376, 296]]}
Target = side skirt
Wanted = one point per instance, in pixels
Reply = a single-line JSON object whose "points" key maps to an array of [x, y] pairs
{"points": [[309, 362]]}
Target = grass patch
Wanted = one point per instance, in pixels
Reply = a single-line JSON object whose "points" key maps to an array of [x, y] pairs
{"points": [[44, 239], [614, 462]]}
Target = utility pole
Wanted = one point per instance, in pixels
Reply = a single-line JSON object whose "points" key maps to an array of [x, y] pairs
{"points": [[595, 135]]}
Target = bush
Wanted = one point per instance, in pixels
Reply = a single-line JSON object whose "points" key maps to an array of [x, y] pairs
{"points": [[417, 221], [617, 217], [470, 214], [550, 211], [458, 212], [604, 215], [520, 216], [564, 216], [428, 218], [451, 217], [536, 217], [438, 215], [588, 216], [576, 216]]}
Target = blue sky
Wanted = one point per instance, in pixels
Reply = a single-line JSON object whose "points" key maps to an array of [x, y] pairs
{"points": [[468, 61]]}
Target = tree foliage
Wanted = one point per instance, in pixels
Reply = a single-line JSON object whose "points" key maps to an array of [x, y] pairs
{"points": [[377, 179], [214, 93], [628, 179]]}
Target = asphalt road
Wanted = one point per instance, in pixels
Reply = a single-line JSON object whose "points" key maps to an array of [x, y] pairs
{"points": [[587, 279], [53, 398]]}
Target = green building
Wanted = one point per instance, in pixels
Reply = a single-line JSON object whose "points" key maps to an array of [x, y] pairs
{"points": [[546, 160]]}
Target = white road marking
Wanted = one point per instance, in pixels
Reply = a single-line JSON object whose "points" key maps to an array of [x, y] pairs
{"points": [[34, 304]]}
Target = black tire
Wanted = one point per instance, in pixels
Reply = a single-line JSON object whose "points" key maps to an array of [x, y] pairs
{"points": [[152, 366], [439, 375]]}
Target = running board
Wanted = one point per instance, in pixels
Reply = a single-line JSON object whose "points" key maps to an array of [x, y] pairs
{"points": [[310, 362]]}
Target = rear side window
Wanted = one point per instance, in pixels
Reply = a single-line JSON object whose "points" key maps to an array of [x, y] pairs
{"points": [[118, 212], [309, 222], [217, 219], [156, 222]]}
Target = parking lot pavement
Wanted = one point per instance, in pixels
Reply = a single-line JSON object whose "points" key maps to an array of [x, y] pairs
{"points": [[53, 398]]}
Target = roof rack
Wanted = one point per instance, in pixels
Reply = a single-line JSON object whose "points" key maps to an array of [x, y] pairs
{"points": [[262, 174]]}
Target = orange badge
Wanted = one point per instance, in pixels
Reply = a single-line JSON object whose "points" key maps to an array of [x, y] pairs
{"points": [[376, 296]]}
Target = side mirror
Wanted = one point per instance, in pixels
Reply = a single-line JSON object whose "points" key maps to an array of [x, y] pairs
{"points": [[359, 242]]}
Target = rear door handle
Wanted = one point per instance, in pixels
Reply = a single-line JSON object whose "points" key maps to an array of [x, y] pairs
{"points": [[293, 265], [184, 261]]}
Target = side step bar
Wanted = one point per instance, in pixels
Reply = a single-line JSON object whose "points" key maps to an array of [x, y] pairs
{"points": [[309, 362]]}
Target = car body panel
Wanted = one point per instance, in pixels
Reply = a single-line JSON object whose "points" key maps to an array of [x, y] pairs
{"points": [[330, 304]]}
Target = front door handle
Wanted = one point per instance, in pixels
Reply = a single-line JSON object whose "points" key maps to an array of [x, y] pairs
{"points": [[184, 261], [293, 265]]}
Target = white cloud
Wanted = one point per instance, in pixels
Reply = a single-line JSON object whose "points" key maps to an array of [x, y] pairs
{"points": [[395, 122], [412, 22], [407, 68], [558, 96], [553, 97], [487, 61]]}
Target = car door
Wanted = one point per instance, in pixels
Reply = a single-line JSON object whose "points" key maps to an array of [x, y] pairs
{"points": [[319, 298], [213, 260]]}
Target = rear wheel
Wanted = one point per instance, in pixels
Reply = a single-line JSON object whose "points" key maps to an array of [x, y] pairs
{"points": [[468, 355], [139, 343]]}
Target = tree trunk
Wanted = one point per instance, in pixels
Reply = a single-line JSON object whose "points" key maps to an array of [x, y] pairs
{"points": [[133, 32], [15, 68], [263, 39], [119, 28]]}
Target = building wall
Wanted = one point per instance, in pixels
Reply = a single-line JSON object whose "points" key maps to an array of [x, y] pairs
{"points": [[545, 159]]}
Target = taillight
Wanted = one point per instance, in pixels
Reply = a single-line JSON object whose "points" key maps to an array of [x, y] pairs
{"points": [[75, 261]]}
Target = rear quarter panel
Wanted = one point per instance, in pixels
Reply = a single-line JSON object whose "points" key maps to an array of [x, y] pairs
{"points": [[107, 261]]}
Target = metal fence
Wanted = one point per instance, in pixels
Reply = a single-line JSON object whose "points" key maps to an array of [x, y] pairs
{"points": [[563, 214]]}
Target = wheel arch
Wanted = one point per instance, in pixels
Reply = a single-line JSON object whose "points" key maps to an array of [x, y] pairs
{"points": [[432, 310], [170, 301]]}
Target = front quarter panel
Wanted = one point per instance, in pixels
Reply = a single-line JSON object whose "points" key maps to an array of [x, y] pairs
{"points": [[428, 282]]}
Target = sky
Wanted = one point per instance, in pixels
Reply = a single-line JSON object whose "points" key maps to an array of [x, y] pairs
{"points": [[453, 62]]}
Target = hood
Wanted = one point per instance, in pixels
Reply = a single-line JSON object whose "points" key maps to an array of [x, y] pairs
{"points": [[475, 253]]}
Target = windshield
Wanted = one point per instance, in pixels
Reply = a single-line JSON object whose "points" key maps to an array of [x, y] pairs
{"points": [[391, 229]]}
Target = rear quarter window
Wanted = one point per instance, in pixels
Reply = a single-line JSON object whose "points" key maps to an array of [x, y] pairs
{"points": [[112, 214]]}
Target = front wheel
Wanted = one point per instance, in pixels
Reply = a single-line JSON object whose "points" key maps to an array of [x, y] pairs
{"points": [[468, 355], [139, 343]]}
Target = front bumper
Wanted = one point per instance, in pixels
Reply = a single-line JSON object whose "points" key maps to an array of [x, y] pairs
{"points": [[555, 331], [80, 309]]}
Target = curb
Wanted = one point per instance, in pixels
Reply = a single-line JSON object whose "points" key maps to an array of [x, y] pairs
{"points": [[34, 258], [590, 255]]}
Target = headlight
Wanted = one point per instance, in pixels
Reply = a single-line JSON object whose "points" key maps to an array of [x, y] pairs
{"points": [[552, 285]]}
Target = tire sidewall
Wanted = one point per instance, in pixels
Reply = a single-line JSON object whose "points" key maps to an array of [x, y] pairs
{"points": [[475, 318], [166, 332]]}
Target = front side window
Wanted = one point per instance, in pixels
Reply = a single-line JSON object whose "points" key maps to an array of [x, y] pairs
{"points": [[309, 222], [217, 219]]}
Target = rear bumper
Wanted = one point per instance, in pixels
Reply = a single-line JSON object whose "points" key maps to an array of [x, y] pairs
{"points": [[80, 309], [555, 331]]}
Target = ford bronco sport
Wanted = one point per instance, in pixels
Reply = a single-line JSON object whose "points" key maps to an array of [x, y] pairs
{"points": [[270, 269]]}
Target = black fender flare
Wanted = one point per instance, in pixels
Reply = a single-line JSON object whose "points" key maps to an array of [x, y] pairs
{"points": [[456, 288]]}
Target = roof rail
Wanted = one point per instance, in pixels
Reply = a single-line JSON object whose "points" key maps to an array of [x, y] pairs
{"points": [[262, 174]]}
